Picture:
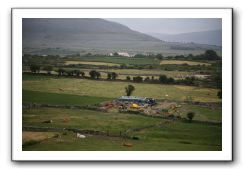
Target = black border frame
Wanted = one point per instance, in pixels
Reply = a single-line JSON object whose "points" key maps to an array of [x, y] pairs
{"points": [[128, 161]]}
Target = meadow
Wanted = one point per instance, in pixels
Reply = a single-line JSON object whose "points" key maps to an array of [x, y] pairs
{"points": [[70, 62], [86, 87], [165, 135], [179, 62], [120, 60], [144, 133]]}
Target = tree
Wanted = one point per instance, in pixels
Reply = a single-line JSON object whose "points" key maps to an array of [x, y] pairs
{"points": [[163, 79], [211, 55], [189, 80], [147, 79], [82, 74], [114, 75], [93, 74], [137, 79], [115, 54], [129, 90], [109, 75], [128, 78], [70, 73], [48, 69], [35, 68], [159, 56], [77, 72], [61, 72], [219, 94], [171, 80], [190, 116], [98, 75]]}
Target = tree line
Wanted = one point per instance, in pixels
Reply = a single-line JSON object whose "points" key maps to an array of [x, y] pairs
{"points": [[93, 74]]}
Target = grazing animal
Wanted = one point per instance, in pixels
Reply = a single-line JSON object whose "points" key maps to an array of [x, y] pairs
{"points": [[78, 135]]}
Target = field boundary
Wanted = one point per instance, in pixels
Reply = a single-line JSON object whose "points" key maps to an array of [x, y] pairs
{"points": [[95, 108]]}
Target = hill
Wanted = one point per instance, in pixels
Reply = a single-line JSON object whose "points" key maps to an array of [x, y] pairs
{"points": [[81, 35], [213, 37]]}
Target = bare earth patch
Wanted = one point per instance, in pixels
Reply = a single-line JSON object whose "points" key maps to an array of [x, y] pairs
{"points": [[36, 136]]}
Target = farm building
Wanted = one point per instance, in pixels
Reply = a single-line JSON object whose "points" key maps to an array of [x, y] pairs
{"points": [[125, 54], [138, 100]]}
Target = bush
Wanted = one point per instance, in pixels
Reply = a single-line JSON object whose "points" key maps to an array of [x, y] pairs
{"points": [[137, 79], [128, 78], [129, 89], [35, 68], [94, 74], [190, 116], [219, 94]]}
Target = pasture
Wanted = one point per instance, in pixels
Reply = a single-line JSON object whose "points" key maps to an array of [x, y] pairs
{"points": [[151, 134], [115, 89], [165, 135], [90, 63], [180, 62], [121, 60]]}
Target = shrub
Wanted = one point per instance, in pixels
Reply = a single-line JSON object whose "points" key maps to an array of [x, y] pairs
{"points": [[129, 89], [190, 116], [128, 78], [137, 79]]}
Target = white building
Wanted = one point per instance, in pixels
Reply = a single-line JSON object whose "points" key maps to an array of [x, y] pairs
{"points": [[125, 54]]}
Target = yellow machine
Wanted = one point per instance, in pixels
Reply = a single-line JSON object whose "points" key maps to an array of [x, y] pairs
{"points": [[135, 106]]}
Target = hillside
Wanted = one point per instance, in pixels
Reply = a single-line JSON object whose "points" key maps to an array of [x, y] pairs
{"points": [[76, 35], [206, 37]]}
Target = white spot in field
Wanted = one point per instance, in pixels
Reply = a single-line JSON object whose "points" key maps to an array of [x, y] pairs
{"points": [[78, 135]]}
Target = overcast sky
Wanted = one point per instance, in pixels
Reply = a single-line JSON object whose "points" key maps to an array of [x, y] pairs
{"points": [[170, 25]]}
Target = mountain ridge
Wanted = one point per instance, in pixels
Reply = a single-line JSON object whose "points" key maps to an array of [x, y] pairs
{"points": [[211, 37]]}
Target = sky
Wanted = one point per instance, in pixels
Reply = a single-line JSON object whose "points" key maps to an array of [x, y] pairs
{"points": [[170, 25]]}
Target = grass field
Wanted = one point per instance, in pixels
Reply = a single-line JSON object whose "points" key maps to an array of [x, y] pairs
{"points": [[90, 63], [202, 113], [179, 62], [60, 99], [162, 135], [112, 89], [121, 60], [169, 135]]}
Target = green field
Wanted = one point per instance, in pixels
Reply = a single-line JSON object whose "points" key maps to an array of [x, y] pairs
{"points": [[179, 62], [113, 89], [90, 63], [121, 60], [168, 135], [60, 99], [202, 113], [154, 134]]}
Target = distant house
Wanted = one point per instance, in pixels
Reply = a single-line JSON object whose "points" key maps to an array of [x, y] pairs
{"points": [[124, 54]]}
